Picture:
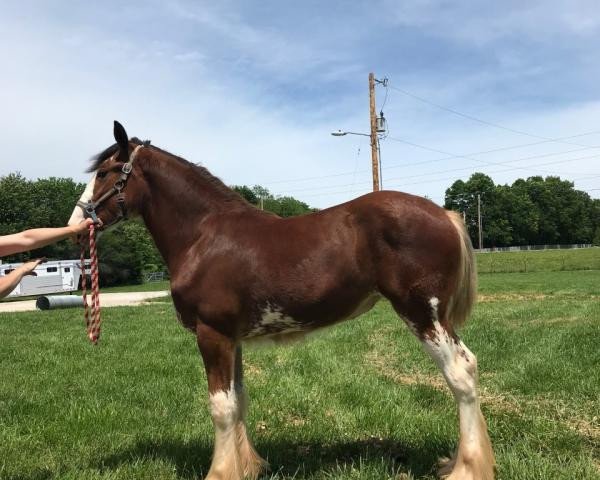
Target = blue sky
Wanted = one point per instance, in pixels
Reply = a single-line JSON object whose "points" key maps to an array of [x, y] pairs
{"points": [[253, 89]]}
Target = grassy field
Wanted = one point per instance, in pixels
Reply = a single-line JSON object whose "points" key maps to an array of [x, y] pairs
{"points": [[539, 260], [358, 401]]}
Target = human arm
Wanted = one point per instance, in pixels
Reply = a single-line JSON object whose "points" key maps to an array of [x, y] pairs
{"points": [[10, 281], [39, 237]]}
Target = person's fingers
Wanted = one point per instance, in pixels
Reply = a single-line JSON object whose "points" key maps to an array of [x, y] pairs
{"points": [[80, 229], [85, 225], [30, 266]]}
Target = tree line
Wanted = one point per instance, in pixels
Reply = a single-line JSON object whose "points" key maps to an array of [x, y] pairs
{"points": [[532, 211], [126, 252]]}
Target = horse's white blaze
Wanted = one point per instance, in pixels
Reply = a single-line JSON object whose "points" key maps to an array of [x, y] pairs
{"points": [[459, 367], [225, 412], [77, 215]]}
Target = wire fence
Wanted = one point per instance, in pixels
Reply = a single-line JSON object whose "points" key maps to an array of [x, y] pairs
{"points": [[155, 277], [534, 247]]}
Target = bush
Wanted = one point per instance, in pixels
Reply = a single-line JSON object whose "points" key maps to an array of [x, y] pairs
{"points": [[121, 261]]}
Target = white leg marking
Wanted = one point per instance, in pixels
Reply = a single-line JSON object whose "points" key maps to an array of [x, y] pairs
{"points": [[224, 408], [458, 364]]}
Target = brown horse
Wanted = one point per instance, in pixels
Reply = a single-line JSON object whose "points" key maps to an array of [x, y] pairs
{"points": [[238, 273]]}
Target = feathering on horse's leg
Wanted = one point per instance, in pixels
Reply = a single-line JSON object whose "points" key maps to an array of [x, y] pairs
{"points": [[218, 353], [474, 458], [251, 461]]}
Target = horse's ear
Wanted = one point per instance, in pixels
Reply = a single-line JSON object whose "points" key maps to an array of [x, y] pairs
{"points": [[121, 137]]}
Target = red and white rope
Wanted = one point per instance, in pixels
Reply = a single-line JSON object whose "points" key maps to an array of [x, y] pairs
{"points": [[92, 313]]}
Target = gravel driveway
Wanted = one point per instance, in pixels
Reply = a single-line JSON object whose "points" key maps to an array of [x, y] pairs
{"points": [[106, 300]]}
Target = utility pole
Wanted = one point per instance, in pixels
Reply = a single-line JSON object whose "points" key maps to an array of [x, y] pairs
{"points": [[374, 149], [479, 220]]}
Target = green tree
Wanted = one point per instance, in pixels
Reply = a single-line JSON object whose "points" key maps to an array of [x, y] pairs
{"points": [[286, 206], [282, 206], [533, 211], [519, 214], [462, 197], [121, 255], [139, 238], [16, 203], [247, 193], [565, 215], [34, 204]]}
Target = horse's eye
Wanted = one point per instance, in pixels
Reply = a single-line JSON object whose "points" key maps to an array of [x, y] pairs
{"points": [[101, 173]]}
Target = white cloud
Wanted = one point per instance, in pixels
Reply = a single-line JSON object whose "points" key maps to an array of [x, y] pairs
{"points": [[218, 88]]}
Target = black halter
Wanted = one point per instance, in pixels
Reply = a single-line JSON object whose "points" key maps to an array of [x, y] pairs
{"points": [[89, 208]]}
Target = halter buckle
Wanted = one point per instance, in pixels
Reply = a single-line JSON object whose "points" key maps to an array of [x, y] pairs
{"points": [[90, 210]]}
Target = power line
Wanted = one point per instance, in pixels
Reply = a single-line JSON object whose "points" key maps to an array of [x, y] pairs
{"points": [[476, 119], [484, 152], [443, 179], [487, 162], [447, 157], [530, 168]]}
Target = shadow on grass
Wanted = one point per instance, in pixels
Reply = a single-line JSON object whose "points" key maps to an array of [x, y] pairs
{"points": [[296, 460], [44, 474]]}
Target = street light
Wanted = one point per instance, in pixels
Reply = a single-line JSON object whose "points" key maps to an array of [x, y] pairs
{"points": [[377, 180], [340, 133]]}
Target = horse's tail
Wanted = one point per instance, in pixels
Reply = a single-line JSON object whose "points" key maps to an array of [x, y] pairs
{"points": [[465, 290]]}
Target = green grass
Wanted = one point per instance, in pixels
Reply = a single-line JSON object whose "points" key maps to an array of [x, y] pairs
{"points": [[358, 401], [539, 260]]}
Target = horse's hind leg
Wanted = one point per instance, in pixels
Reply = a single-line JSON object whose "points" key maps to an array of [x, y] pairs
{"points": [[251, 461], [474, 459], [218, 353]]}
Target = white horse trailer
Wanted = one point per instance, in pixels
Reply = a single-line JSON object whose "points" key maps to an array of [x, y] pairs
{"points": [[58, 276]]}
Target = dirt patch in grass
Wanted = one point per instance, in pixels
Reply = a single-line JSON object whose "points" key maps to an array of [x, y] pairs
{"points": [[494, 400], [500, 297], [383, 357], [251, 370], [556, 320], [587, 428], [295, 420], [384, 364], [511, 296]]}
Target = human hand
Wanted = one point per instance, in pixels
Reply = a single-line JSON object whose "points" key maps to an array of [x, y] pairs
{"points": [[79, 230], [28, 267], [82, 227]]}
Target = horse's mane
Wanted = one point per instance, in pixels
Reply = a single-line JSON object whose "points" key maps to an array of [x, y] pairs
{"points": [[201, 171], [108, 152]]}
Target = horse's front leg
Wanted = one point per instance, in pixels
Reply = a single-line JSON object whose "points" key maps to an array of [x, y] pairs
{"points": [[219, 352], [252, 463]]}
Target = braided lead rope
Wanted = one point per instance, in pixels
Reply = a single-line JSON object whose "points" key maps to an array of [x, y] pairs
{"points": [[86, 307], [91, 313], [94, 328]]}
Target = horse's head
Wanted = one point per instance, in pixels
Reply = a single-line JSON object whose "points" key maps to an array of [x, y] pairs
{"points": [[117, 186]]}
